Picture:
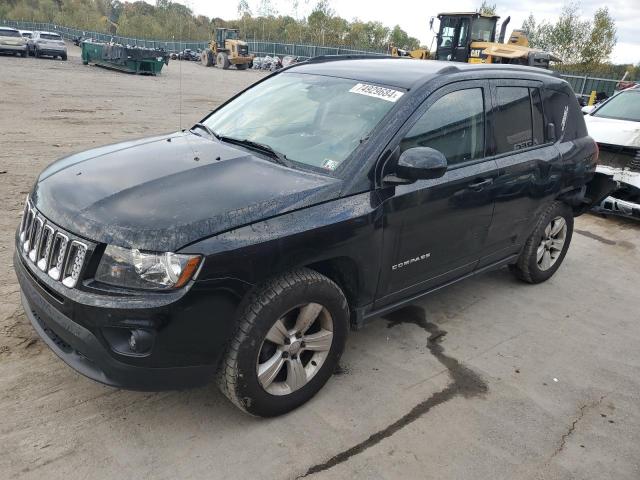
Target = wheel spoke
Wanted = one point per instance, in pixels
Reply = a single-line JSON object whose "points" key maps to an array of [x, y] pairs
{"points": [[268, 371], [557, 244], [307, 316], [278, 333], [558, 225], [296, 374], [540, 252], [319, 341], [546, 260]]}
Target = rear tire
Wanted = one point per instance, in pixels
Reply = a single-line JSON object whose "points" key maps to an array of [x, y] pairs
{"points": [[290, 334], [547, 245], [64, 57]]}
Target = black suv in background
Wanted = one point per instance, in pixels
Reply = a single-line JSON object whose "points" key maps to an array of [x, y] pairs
{"points": [[324, 195]]}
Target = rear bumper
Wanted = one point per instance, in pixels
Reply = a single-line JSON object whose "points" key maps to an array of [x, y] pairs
{"points": [[51, 51], [13, 48]]}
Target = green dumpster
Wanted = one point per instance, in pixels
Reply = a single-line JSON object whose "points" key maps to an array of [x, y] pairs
{"points": [[145, 61]]}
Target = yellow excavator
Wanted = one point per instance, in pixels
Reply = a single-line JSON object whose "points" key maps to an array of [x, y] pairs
{"points": [[470, 37]]}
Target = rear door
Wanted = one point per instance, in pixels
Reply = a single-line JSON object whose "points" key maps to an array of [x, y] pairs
{"points": [[529, 164], [435, 230]]}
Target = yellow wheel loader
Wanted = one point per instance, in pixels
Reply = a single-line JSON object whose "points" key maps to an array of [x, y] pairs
{"points": [[470, 37], [227, 49]]}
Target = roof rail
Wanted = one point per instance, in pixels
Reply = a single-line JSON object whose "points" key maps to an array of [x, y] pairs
{"points": [[334, 58]]}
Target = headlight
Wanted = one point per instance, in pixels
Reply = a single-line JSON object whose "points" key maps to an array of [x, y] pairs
{"points": [[135, 269]]}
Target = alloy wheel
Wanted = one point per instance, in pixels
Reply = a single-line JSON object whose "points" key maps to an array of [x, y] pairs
{"points": [[552, 243], [294, 349]]}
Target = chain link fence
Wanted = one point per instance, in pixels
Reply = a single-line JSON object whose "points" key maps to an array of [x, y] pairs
{"points": [[583, 85], [257, 47]]}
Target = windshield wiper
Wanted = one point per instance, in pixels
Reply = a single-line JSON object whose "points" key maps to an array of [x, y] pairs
{"points": [[279, 157], [206, 129]]}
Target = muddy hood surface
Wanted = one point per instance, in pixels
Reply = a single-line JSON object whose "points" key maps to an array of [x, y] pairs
{"points": [[164, 193]]}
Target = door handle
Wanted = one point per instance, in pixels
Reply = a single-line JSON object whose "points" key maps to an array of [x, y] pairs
{"points": [[480, 184]]}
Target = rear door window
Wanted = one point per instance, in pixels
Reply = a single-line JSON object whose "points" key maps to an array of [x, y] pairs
{"points": [[513, 123], [453, 125]]}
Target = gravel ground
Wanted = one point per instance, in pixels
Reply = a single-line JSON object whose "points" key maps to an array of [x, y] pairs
{"points": [[489, 379]]}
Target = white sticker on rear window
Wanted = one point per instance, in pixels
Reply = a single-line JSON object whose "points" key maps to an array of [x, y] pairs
{"points": [[388, 94]]}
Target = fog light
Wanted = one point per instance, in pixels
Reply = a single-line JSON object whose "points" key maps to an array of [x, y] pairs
{"points": [[140, 341], [130, 341]]}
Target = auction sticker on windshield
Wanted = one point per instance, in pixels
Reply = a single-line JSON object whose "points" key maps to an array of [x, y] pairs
{"points": [[388, 94]]}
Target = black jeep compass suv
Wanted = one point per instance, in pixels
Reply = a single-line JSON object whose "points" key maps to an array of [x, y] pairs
{"points": [[323, 195]]}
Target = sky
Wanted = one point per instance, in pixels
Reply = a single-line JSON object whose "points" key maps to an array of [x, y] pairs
{"points": [[413, 15]]}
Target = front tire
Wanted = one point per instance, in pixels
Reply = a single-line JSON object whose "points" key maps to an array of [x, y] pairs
{"points": [[547, 246], [223, 61], [291, 332]]}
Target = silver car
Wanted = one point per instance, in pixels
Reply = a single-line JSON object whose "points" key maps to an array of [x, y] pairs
{"points": [[12, 42], [48, 44]]}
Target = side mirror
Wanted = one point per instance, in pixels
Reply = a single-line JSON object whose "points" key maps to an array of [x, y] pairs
{"points": [[588, 109], [431, 24], [421, 163]]}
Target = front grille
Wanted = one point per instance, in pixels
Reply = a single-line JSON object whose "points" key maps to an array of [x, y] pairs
{"points": [[619, 157], [49, 248]]}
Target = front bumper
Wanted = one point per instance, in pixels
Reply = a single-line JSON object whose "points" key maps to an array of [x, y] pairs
{"points": [[188, 341], [625, 199], [616, 206]]}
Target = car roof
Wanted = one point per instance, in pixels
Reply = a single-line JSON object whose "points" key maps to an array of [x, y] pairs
{"points": [[49, 33], [10, 28], [397, 71]]}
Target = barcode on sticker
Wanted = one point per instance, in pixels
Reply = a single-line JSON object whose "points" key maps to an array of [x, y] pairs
{"points": [[388, 94]]}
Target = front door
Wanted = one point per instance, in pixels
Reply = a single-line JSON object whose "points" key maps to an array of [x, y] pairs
{"points": [[435, 230]]}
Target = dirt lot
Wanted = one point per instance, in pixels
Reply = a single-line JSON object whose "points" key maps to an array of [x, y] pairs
{"points": [[528, 382]]}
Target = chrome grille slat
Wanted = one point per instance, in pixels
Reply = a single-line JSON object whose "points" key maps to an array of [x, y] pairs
{"points": [[44, 252], [59, 254], [36, 233], [50, 249]]}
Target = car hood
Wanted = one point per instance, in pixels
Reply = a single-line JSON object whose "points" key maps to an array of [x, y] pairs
{"points": [[613, 131], [163, 193]]}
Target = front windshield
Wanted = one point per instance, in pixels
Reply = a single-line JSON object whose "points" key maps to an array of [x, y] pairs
{"points": [[482, 29], [624, 106], [232, 35], [312, 119]]}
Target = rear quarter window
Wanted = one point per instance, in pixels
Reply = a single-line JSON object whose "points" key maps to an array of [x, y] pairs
{"points": [[562, 109]]}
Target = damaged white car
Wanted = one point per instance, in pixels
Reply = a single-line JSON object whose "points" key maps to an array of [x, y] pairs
{"points": [[615, 126]]}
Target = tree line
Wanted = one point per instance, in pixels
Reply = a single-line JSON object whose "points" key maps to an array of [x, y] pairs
{"points": [[167, 20], [583, 44]]}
